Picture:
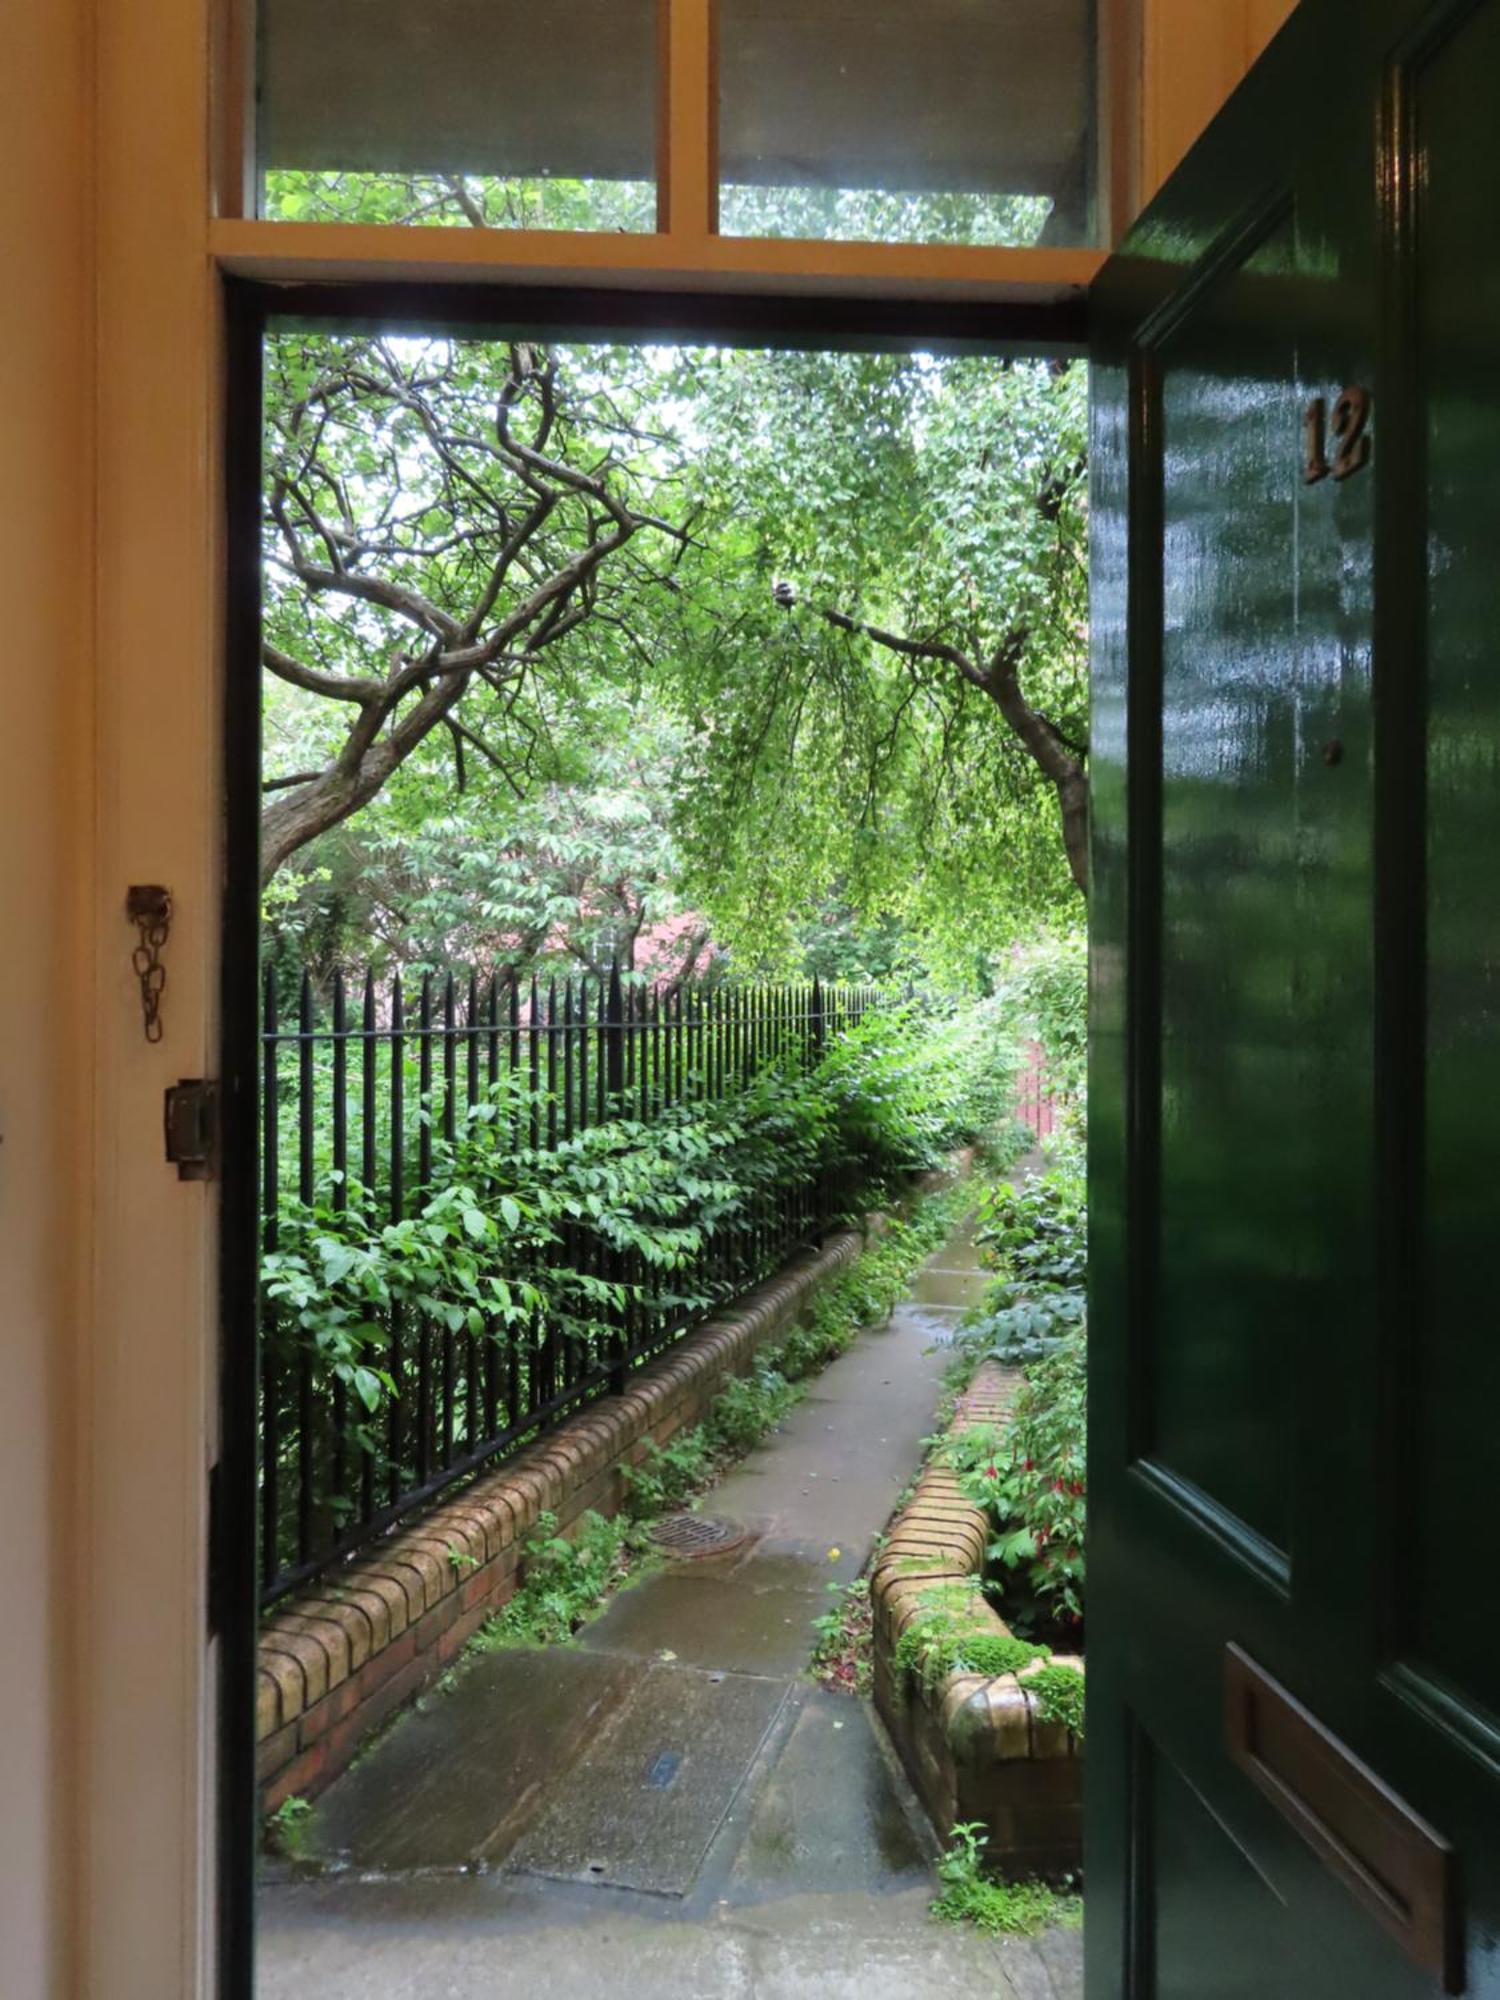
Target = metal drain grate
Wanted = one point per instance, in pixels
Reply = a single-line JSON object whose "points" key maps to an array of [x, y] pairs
{"points": [[692, 1535]]}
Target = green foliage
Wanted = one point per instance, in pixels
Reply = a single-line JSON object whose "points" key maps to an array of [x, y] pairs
{"points": [[667, 1474], [951, 1633], [844, 1654], [288, 1831], [1008, 1909], [1035, 1237], [750, 1407], [662, 735], [1046, 991], [865, 1292], [513, 1243], [837, 765], [576, 873], [1058, 1690], [459, 201], [1030, 1474], [564, 1580], [869, 215]]}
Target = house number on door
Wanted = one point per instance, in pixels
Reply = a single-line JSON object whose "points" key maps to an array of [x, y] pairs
{"points": [[1351, 428]]}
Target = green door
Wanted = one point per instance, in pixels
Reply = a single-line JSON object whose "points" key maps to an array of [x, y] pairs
{"points": [[1294, 1670]]}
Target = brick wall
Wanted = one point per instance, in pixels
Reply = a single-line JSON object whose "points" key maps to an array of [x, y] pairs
{"points": [[974, 1746]]}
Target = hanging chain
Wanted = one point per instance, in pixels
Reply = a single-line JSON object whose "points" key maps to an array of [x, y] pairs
{"points": [[150, 909]]}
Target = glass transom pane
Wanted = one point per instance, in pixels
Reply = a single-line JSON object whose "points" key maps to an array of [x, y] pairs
{"points": [[915, 121], [498, 113]]}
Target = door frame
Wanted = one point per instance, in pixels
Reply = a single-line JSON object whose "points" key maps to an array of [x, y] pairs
{"points": [[1046, 330]]}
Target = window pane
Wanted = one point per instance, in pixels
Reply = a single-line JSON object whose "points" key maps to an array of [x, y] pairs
{"points": [[499, 113], [908, 121]]}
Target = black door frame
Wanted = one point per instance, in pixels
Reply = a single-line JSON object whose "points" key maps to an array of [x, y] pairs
{"points": [[497, 310]]}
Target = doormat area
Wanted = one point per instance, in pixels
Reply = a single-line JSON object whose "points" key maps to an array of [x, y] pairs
{"points": [[640, 1808]]}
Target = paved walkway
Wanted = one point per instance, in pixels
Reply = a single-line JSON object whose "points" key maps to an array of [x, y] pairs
{"points": [[668, 1808]]}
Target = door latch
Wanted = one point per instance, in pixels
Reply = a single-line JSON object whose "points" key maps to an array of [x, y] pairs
{"points": [[192, 1128]]}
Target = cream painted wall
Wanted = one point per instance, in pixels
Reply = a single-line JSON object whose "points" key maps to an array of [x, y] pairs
{"points": [[109, 763], [1195, 53], [45, 830], [153, 1335]]}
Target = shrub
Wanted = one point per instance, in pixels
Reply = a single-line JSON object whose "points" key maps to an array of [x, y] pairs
{"points": [[564, 1580], [513, 1241], [1036, 1238], [667, 1474], [750, 1406], [1046, 988], [1030, 1474], [1058, 1691]]}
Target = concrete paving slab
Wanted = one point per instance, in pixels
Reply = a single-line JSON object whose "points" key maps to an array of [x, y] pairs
{"points": [[830, 1815], [458, 1780], [641, 1806], [509, 1940], [752, 1618], [941, 1286]]}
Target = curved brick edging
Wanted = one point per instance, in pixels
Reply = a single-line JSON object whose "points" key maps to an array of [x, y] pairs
{"points": [[340, 1658], [974, 1746]]}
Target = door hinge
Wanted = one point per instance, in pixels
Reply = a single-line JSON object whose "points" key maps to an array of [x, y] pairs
{"points": [[192, 1128]]}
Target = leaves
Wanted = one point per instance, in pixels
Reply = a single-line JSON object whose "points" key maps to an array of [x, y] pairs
{"points": [[676, 744], [516, 1244]]}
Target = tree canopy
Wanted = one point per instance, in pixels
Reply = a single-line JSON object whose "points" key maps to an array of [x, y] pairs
{"points": [[749, 641]]}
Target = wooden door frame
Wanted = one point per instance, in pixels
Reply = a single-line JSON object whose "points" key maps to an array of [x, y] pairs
{"points": [[794, 320]]}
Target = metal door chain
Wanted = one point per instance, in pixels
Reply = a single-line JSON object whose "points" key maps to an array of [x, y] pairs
{"points": [[149, 908]]}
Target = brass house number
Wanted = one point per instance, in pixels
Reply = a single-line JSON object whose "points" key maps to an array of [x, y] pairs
{"points": [[1351, 435]]}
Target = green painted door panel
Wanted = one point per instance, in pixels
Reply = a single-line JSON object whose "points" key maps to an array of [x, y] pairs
{"points": [[1295, 1069], [1458, 306]]}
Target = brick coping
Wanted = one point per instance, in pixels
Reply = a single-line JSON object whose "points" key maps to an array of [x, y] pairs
{"points": [[941, 1537], [341, 1656]]}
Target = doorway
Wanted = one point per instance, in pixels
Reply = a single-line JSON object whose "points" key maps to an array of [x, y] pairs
{"points": [[330, 1492]]}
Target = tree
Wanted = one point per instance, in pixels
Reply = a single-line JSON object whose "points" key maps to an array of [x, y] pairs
{"points": [[441, 518], [850, 588], [890, 558], [579, 874]]}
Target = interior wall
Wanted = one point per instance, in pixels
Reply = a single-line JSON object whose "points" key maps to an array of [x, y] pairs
{"points": [[154, 1329], [45, 825], [1194, 54]]}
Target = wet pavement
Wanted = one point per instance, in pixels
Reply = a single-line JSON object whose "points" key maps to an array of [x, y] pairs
{"points": [[669, 1807]]}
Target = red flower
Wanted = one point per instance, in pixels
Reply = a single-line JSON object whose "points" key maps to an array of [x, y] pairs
{"points": [[992, 1472]]}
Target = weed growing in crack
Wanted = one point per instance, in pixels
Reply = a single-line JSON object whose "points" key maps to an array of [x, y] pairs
{"points": [[1009, 1909]]}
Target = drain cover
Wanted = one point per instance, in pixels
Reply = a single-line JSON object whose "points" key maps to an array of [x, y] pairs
{"points": [[697, 1535]]}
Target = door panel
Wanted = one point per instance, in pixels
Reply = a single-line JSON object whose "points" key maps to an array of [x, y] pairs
{"points": [[1295, 1081], [1220, 1921], [1220, 1402], [1457, 294]]}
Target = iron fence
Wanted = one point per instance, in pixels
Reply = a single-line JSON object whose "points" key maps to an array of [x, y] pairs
{"points": [[365, 1094]]}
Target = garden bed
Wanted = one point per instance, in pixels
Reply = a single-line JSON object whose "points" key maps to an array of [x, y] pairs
{"points": [[988, 1725]]}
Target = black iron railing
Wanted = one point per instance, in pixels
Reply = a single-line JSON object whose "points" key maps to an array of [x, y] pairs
{"points": [[367, 1097]]}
